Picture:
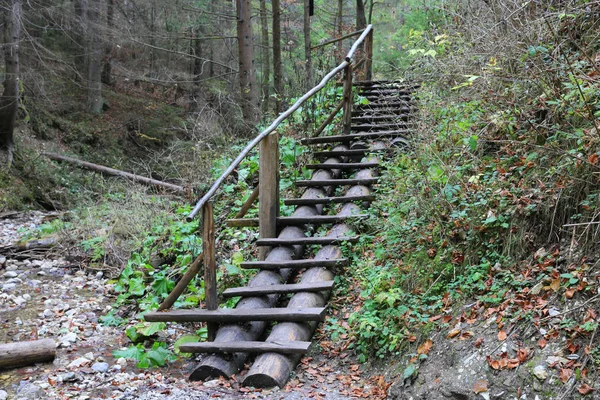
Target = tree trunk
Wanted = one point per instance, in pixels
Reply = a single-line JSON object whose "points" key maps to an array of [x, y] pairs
{"points": [[307, 54], [107, 68], [266, 59], [81, 15], [340, 16], [277, 68], [94, 100], [20, 354], [246, 61], [9, 100], [361, 19], [371, 4]]}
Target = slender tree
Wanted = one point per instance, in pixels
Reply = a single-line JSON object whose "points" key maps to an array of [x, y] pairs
{"points": [[307, 52], [108, 48], [94, 100], [277, 67], [11, 9], [339, 17], [266, 59], [246, 61], [361, 19]]}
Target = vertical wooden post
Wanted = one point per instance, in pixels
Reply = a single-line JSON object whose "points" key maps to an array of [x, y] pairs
{"points": [[210, 265], [268, 183], [348, 98], [369, 56]]}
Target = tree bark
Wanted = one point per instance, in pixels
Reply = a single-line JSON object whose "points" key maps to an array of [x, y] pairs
{"points": [[277, 67], [246, 61], [20, 354], [340, 16], [94, 100], [361, 19], [307, 53], [266, 59], [9, 100], [107, 67]]}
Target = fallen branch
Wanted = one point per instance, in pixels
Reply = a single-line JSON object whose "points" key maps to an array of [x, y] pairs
{"points": [[20, 354], [115, 172]]}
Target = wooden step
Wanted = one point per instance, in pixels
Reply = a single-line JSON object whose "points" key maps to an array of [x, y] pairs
{"points": [[322, 286], [307, 241], [377, 82], [291, 221], [328, 200], [385, 105], [228, 315], [380, 126], [291, 347], [379, 90], [346, 153], [344, 166], [381, 111], [295, 264], [373, 118], [356, 136], [336, 182], [380, 99]]}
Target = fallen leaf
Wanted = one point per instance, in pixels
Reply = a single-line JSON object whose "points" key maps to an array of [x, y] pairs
{"points": [[555, 284], [570, 293], [523, 354], [466, 335], [453, 333], [502, 335], [593, 159], [585, 389], [425, 347], [480, 386], [495, 364], [565, 374], [542, 343], [478, 342]]}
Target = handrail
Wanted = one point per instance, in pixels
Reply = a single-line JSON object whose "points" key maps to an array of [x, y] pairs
{"points": [[335, 40], [213, 189], [361, 39]]}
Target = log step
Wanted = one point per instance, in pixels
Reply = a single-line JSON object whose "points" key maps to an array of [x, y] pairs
{"points": [[290, 221], [328, 200], [380, 126], [356, 136], [336, 182], [384, 105], [279, 289], [346, 153], [385, 118], [228, 315], [324, 241], [382, 90], [377, 82], [344, 166], [296, 264], [291, 347], [380, 112]]}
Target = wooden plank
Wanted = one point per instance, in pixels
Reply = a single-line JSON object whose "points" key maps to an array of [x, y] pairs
{"points": [[381, 111], [295, 264], [210, 264], [356, 136], [328, 200], [385, 105], [227, 315], [268, 180], [290, 221], [348, 99], [279, 289], [307, 241], [372, 118], [336, 182], [381, 127], [368, 48], [343, 166], [288, 347]]}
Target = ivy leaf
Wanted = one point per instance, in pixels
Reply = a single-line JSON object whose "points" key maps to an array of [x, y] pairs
{"points": [[149, 329], [183, 340], [132, 352]]}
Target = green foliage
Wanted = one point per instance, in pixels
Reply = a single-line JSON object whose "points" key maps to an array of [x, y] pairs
{"points": [[157, 356]]}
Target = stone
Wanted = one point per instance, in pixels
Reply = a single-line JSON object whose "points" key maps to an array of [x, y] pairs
{"points": [[70, 377], [122, 361], [3, 394], [70, 337], [29, 391], [10, 274], [2, 262], [540, 372], [27, 296], [100, 367], [211, 384], [19, 301], [48, 313], [79, 362], [9, 287]]}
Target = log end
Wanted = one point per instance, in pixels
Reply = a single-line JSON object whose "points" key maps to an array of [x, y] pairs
{"points": [[260, 380], [207, 372]]}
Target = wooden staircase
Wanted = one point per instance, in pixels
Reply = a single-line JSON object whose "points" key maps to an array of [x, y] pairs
{"points": [[351, 161]]}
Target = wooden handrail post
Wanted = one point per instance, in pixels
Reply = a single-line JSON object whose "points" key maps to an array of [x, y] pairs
{"points": [[347, 120], [210, 265], [369, 57], [268, 183]]}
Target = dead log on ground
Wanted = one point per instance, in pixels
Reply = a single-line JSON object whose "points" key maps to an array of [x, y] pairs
{"points": [[21, 354]]}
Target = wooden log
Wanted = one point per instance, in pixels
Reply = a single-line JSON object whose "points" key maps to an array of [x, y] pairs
{"points": [[20, 354], [356, 136], [210, 265], [214, 366], [347, 100], [369, 57], [337, 182], [287, 288], [268, 181], [295, 264], [287, 347], [235, 315], [115, 172]]}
